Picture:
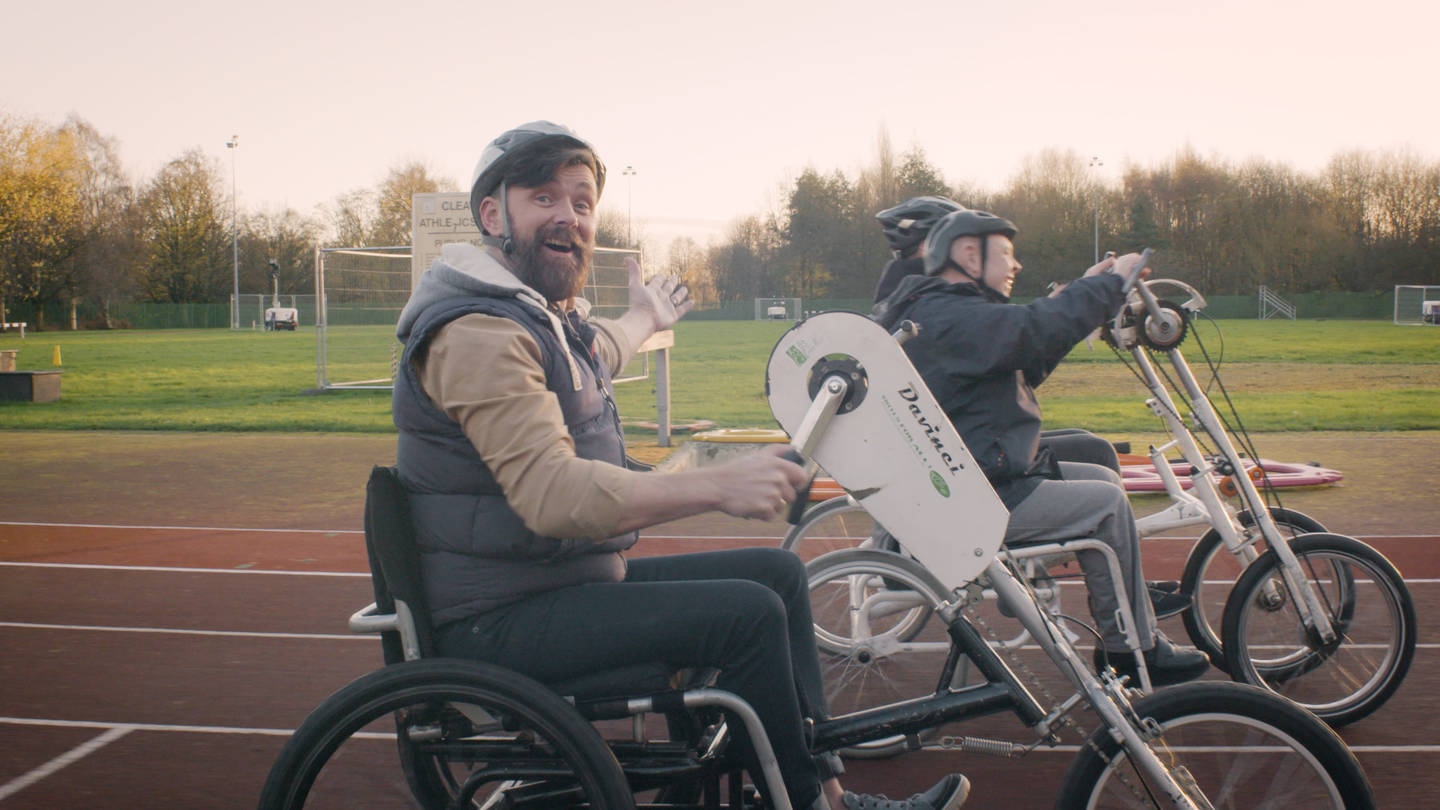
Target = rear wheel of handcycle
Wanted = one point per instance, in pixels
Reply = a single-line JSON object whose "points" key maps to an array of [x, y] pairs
{"points": [[1237, 745], [841, 523], [468, 735], [1211, 571], [863, 603], [1367, 603]]}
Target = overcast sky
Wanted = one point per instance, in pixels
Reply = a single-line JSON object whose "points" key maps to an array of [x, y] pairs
{"points": [[717, 104]]}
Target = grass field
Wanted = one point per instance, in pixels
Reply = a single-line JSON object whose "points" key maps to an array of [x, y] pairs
{"points": [[1282, 375]]}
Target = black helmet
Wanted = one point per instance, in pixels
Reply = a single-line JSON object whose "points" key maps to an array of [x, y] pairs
{"points": [[502, 151], [955, 225], [906, 224]]}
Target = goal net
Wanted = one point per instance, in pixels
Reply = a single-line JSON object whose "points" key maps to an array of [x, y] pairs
{"points": [[253, 306], [359, 293], [777, 309], [1417, 305]]}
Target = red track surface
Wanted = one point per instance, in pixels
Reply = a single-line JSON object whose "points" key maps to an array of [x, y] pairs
{"points": [[163, 667]]}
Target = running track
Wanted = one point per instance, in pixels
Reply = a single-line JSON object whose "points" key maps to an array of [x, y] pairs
{"points": [[164, 666]]}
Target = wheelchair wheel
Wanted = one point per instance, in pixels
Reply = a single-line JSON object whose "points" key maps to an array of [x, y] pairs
{"points": [[1266, 643], [863, 603], [838, 524], [1211, 571], [831, 525], [468, 735], [1238, 745]]}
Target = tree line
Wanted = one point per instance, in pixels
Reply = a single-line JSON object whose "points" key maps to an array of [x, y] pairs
{"points": [[1368, 221], [75, 227]]}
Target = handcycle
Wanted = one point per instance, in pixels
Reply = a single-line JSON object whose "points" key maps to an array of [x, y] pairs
{"points": [[1322, 618], [445, 733]]}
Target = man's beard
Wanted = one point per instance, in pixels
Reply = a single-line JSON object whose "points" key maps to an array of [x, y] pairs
{"points": [[559, 276]]}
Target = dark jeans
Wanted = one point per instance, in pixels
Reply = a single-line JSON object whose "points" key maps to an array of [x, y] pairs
{"points": [[745, 612]]}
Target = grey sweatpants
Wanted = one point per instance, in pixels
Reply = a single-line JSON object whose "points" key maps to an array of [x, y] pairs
{"points": [[1091, 502]]}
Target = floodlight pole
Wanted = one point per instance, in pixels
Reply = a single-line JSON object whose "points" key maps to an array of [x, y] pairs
{"points": [[234, 144], [1095, 163], [629, 203]]}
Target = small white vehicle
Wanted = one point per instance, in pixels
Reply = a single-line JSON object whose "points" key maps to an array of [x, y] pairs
{"points": [[281, 318]]}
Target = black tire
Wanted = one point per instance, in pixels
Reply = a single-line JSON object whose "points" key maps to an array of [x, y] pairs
{"points": [[528, 741], [1210, 574], [1241, 744], [889, 665], [1369, 606]]}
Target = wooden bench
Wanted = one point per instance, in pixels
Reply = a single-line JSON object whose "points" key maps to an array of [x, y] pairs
{"points": [[15, 325], [30, 386]]}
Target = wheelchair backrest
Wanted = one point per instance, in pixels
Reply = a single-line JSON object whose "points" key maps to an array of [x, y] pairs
{"points": [[395, 561]]}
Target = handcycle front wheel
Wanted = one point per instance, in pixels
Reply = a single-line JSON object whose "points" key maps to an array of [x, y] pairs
{"points": [[1369, 606], [1237, 745], [1211, 571], [464, 730]]}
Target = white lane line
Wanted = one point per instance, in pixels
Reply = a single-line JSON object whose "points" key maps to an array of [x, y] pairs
{"points": [[182, 570], [175, 631], [73, 755], [174, 528], [126, 728]]}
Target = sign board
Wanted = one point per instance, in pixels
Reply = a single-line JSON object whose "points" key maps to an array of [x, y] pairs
{"points": [[437, 219]]}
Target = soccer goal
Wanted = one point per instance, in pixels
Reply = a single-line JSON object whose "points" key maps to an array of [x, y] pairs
{"points": [[359, 292], [1417, 305], [253, 305], [777, 309]]}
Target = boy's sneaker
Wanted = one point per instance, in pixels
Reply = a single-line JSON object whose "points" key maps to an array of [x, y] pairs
{"points": [[947, 794], [1166, 662], [1167, 603]]}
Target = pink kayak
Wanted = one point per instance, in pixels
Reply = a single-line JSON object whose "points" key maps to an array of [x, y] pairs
{"points": [[1140, 474]]}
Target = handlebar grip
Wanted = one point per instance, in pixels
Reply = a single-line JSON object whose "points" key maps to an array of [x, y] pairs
{"points": [[1137, 269], [802, 495]]}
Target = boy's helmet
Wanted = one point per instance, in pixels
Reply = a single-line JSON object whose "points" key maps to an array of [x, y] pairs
{"points": [[906, 225], [957, 224]]}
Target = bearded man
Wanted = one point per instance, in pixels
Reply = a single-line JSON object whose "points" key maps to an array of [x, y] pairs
{"points": [[512, 454]]}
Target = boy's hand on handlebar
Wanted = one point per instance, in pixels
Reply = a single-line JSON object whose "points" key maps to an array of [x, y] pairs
{"points": [[758, 486], [1103, 267], [1126, 264]]}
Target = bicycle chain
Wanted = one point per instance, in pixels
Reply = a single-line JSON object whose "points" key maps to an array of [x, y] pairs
{"points": [[1034, 682]]}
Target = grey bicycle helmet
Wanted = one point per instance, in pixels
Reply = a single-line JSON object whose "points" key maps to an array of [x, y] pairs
{"points": [[500, 153], [906, 225], [966, 222]]}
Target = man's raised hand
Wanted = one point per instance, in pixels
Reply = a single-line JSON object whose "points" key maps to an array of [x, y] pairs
{"points": [[663, 297]]}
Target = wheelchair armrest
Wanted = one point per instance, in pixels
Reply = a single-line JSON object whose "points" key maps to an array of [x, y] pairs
{"points": [[369, 620]]}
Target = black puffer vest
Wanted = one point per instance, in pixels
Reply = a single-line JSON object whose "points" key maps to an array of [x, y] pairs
{"points": [[476, 553]]}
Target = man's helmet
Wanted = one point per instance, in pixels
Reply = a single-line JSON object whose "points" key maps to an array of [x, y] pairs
{"points": [[906, 224], [957, 224], [500, 153]]}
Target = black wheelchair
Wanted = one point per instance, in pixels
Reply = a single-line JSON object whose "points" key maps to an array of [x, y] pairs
{"points": [[447, 733]]}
